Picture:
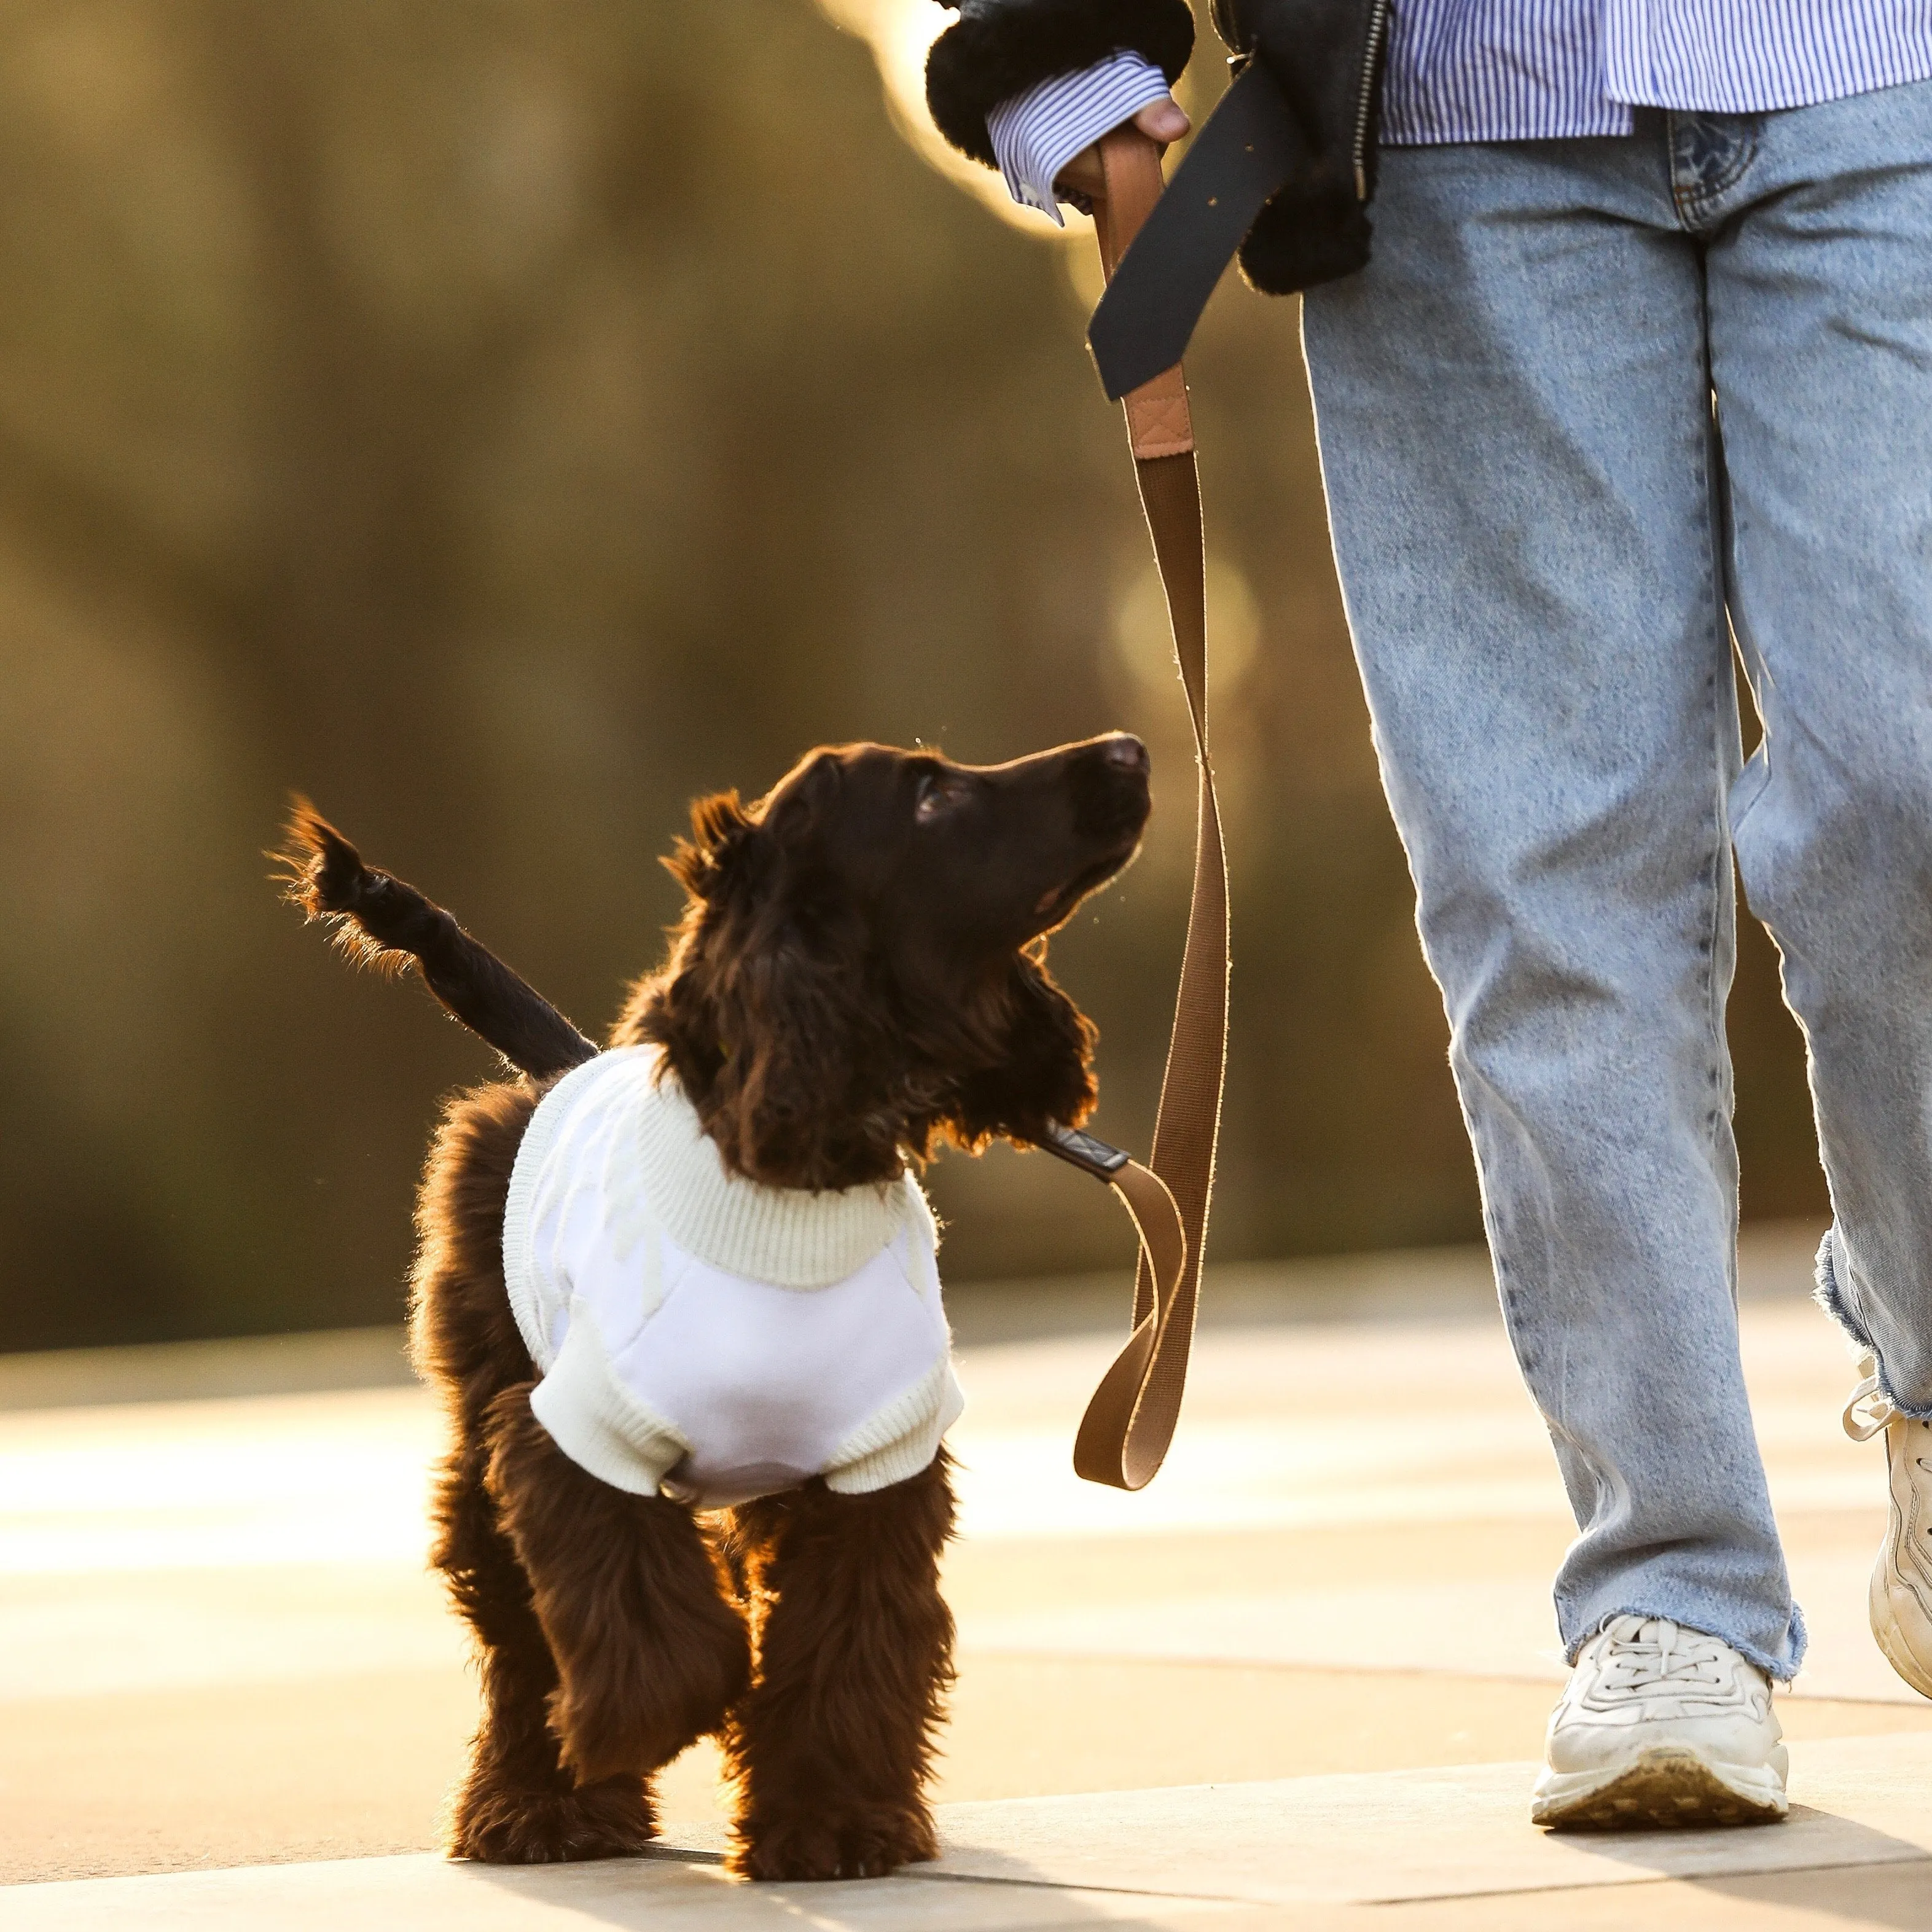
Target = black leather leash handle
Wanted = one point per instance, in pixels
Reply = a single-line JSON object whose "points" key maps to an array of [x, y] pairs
{"points": [[1130, 1420]]}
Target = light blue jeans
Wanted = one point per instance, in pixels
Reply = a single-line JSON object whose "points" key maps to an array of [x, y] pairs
{"points": [[1548, 534]]}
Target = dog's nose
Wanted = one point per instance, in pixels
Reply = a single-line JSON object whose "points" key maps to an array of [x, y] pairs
{"points": [[1126, 752]]}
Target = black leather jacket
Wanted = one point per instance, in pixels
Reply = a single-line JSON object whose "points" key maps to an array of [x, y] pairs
{"points": [[1326, 55]]}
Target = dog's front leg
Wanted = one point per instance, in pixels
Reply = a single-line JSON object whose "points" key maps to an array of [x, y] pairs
{"points": [[516, 1803], [831, 1749], [650, 1653]]}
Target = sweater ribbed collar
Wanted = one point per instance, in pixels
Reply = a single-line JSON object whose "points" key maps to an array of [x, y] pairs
{"points": [[787, 1236]]}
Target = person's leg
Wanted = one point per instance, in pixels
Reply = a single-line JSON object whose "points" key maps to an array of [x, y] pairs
{"points": [[1514, 409], [1821, 332], [1821, 340]]}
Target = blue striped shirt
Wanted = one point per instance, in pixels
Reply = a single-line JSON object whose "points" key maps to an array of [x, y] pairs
{"points": [[1036, 133], [1540, 70], [1533, 70]]}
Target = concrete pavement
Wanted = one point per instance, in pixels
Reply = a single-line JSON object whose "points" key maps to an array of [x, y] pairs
{"points": [[218, 1649]]}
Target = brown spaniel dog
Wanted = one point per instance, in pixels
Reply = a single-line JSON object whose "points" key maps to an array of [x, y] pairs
{"points": [[860, 974]]}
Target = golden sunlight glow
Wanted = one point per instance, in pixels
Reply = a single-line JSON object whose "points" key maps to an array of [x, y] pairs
{"points": [[899, 32], [1145, 644]]}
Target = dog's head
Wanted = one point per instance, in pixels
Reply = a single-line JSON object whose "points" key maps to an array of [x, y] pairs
{"points": [[861, 968]]}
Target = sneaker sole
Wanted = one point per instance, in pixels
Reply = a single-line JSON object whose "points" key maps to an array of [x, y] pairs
{"points": [[1884, 1629], [1668, 1787]]}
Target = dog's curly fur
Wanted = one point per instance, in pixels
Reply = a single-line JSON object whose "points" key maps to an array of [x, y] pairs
{"points": [[814, 1057], [859, 973]]}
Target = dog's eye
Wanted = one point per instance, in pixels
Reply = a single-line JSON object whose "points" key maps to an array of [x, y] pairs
{"points": [[934, 793]]}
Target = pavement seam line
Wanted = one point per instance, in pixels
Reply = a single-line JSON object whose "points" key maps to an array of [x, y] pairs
{"points": [[674, 1854], [677, 1854]]}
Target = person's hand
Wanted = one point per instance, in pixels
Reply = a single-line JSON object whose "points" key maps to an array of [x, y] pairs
{"points": [[1161, 121]]}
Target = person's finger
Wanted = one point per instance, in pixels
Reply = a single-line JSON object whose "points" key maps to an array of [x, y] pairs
{"points": [[1162, 120]]}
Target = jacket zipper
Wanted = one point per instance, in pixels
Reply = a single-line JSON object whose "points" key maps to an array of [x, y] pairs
{"points": [[1379, 13]]}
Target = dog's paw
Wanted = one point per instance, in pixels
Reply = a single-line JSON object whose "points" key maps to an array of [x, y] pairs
{"points": [[498, 1825], [858, 1841]]}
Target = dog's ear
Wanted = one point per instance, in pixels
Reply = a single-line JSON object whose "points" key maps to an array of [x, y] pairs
{"points": [[809, 1095], [723, 837], [767, 1011], [1043, 1073]]}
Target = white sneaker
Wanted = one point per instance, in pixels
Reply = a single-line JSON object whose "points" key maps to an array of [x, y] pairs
{"points": [[1901, 1584], [1661, 1725]]}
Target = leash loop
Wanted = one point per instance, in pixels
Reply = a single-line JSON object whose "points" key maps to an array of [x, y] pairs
{"points": [[1130, 1420]]}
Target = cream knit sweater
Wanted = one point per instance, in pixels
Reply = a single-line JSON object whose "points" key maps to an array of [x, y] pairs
{"points": [[705, 1336]]}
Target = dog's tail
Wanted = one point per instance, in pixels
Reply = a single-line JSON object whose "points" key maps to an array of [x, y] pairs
{"points": [[381, 921]]}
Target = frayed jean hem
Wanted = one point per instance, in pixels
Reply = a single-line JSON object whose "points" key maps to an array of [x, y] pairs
{"points": [[1779, 1670], [1830, 1295]]}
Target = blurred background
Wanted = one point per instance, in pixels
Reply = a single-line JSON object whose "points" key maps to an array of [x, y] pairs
{"points": [[502, 420]]}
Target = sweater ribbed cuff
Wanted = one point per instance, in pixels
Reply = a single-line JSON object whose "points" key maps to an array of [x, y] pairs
{"points": [[896, 1442], [598, 1422]]}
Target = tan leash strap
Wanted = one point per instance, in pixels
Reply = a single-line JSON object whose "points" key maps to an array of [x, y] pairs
{"points": [[1130, 1422]]}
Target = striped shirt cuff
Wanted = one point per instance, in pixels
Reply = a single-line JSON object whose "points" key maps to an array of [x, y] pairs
{"points": [[1035, 134]]}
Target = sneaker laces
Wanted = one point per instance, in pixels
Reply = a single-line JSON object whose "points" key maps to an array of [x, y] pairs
{"points": [[1878, 1407], [1650, 1654]]}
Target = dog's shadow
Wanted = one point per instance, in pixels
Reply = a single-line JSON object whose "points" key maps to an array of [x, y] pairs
{"points": [[692, 1889], [1854, 1873]]}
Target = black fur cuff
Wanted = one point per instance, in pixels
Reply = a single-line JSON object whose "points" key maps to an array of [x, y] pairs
{"points": [[999, 48], [1301, 239]]}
